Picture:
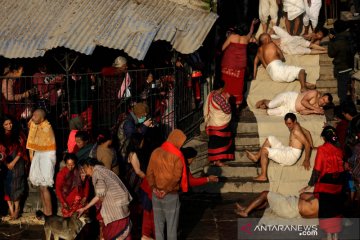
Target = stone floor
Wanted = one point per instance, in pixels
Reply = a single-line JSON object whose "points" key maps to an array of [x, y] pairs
{"points": [[211, 216], [202, 217]]}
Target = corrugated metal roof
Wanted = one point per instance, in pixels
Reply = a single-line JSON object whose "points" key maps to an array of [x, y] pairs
{"points": [[30, 28]]}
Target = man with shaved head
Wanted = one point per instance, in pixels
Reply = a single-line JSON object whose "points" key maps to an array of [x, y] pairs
{"points": [[273, 60], [42, 147]]}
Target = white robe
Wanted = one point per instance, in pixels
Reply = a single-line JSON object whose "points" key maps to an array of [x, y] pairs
{"points": [[294, 8]]}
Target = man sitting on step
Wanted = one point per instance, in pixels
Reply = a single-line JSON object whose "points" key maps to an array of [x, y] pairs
{"points": [[299, 139], [306, 205], [305, 103]]}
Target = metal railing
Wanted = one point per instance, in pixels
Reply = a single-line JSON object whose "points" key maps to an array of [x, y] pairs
{"points": [[101, 103]]}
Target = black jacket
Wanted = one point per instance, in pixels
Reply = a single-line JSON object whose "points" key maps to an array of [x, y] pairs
{"points": [[339, 48]]}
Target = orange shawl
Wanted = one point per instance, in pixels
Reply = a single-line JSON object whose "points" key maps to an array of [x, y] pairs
{"points": [[41, 137]]}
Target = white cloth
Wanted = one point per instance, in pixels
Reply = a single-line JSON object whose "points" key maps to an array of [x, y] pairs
{"points": [[42, 168], [286, 207], [292, 44], [284, 155], [312, 12], [293, 8], [266, 8], [280, 72], [213, 114], [282, 104]]}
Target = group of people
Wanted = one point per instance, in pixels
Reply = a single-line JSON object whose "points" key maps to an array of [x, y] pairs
{"points": [[96, 98], [295, 12], [147, 175], [329, 172], [275, 41], [330, 169], [335, 173]]}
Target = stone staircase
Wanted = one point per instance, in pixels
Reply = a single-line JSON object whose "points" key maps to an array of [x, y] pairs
{"points": [[237, 175], [327, 82]]}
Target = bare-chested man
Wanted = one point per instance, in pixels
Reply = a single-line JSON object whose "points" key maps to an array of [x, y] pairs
{"points": [[273, 60], [299, 139], [306, 205], [305, 103]]}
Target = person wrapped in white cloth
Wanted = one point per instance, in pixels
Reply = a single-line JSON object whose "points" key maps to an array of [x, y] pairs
{"points": [[42, 147], [299, 139], [294, 44], [272, 58], [293, 10], [312, 10], [268, 8], [284, 155], [281, 72], [306, 205], [305, 103]]}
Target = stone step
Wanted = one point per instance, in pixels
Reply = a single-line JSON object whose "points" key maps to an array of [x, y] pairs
{"points": [[251, 148], [247, 127], [234, 170], [198, 144], [246, 139], [326, 84], [326, 65], [246, 116], [325, 69], [226, 185], [324, 58], [326, 76], [332, 90], [240, 156]]}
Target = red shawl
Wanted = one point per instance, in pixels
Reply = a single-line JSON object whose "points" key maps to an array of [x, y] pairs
{"points": [[329, 160], [169, 147]]}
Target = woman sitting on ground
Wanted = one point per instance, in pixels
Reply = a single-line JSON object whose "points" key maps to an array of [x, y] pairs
{"points": [[72, 187]]}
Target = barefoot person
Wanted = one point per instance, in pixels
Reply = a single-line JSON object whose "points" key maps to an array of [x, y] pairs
{"points": [[12, 158], [305, 103], [295, 44], [234, 60], [306, 205], [217, 115], [273, 60], [317, 35], [42, 148], [299, 139]]}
